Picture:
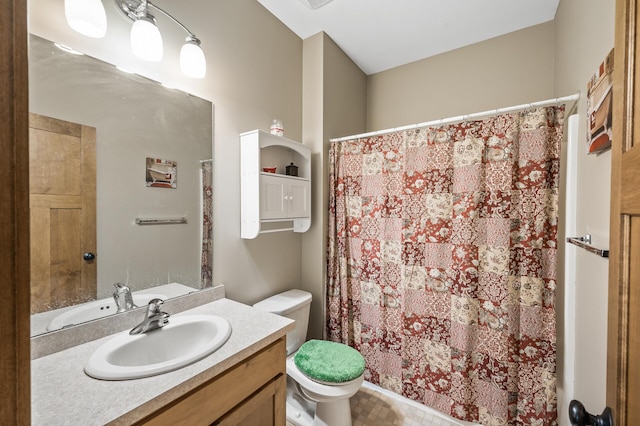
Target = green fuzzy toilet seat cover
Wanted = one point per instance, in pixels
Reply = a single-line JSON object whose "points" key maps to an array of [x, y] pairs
{"points": [[329, 361]]}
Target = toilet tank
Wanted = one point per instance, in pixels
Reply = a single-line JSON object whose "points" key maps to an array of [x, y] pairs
{"points": [[294, 304]]}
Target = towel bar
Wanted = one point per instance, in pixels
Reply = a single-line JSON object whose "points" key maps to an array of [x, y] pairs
{"points": [[270, 231], [173, 221], [585, 243]]}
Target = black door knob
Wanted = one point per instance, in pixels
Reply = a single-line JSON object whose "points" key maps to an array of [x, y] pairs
{"points": [[88, 256], [580, 417]]}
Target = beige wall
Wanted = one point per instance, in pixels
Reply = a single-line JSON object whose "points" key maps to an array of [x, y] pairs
{"points": [[509, 70], [579, 50], [254, 75], [334, 104], [258, 77]]}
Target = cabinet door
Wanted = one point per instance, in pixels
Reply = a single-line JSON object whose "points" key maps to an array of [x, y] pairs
{"points": [[272, 197], [264, 408], [298, 199], [253, 388], [283, 197]]}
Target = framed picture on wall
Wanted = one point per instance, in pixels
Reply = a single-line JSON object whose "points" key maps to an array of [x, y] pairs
{"points": [[161, 173], [599, 107]]}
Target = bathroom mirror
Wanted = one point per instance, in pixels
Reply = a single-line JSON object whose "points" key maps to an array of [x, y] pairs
{"points": [[153, 150]]}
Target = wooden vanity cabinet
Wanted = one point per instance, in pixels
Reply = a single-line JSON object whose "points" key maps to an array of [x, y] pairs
{"points": [[251, 393]]}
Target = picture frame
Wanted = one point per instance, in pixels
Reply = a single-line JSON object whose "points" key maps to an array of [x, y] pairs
{"points": [[161, 173], [600, 107]]}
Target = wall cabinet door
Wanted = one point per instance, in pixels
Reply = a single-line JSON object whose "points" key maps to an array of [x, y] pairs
{"points": [[283, 197], [272, 197], [298, 199]]}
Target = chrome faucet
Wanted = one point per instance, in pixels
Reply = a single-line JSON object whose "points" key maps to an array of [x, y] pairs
{"points": [[123, 298], [153, 319]]}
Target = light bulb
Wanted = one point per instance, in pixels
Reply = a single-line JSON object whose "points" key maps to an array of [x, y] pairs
{"points": [[146, 41], [87, 17], [192, 61]]}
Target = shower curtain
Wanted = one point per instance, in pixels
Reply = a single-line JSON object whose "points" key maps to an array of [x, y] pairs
{"points": [[442, 263], [206, 267]]}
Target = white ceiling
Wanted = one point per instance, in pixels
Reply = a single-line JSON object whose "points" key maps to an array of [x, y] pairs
{"points": [[382, 34]]}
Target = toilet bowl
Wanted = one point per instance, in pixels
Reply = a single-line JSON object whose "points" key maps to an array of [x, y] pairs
{"points": [[310, 401], [331, 400]]}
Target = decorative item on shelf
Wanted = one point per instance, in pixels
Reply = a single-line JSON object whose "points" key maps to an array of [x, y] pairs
{"points": [[269, 169], [291, 170], [277, 128]]}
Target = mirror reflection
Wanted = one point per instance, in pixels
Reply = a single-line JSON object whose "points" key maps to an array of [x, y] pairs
{"points": [[120, 186]]}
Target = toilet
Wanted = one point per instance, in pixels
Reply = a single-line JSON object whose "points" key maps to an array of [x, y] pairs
{"points": [[321, 375]]}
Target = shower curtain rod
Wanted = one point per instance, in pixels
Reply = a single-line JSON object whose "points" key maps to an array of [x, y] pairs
{"points": [[571, 98]]}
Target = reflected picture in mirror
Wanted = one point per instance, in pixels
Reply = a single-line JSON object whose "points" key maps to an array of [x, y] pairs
{"points": [[92, 127], [162, 173]]}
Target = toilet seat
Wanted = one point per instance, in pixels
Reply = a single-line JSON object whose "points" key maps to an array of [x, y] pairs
{"points": [[319, 391], [329, 362]]}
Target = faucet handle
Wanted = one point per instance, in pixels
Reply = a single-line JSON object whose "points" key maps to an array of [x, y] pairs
{"points": [[154, 318], [154, 306], [120, 287], [164, 320], [123, 297], [154, 312]]}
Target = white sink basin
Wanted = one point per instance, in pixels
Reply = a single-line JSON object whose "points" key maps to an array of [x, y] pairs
{"points": [[186, 339], [97, 309]]}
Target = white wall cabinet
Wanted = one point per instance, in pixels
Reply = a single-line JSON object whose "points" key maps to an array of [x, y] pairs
{"points": [[273, 198], [283, 197]]}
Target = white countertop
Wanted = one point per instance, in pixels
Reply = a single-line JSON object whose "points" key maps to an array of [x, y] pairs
{"points": [[62, 394]]}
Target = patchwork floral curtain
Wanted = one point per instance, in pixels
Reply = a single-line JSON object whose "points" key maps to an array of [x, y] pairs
{"points": [[442, 263], [206, 263]]}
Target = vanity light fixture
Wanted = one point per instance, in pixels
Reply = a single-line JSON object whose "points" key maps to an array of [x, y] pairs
{"points": [[146, 41], [192, 61], [87, 17]]}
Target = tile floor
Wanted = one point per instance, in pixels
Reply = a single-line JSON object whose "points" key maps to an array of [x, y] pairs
{"points": [[370, 407]]}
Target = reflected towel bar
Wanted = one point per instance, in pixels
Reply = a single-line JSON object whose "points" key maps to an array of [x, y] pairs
{"points": [[585, 243], [174, 221]]}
